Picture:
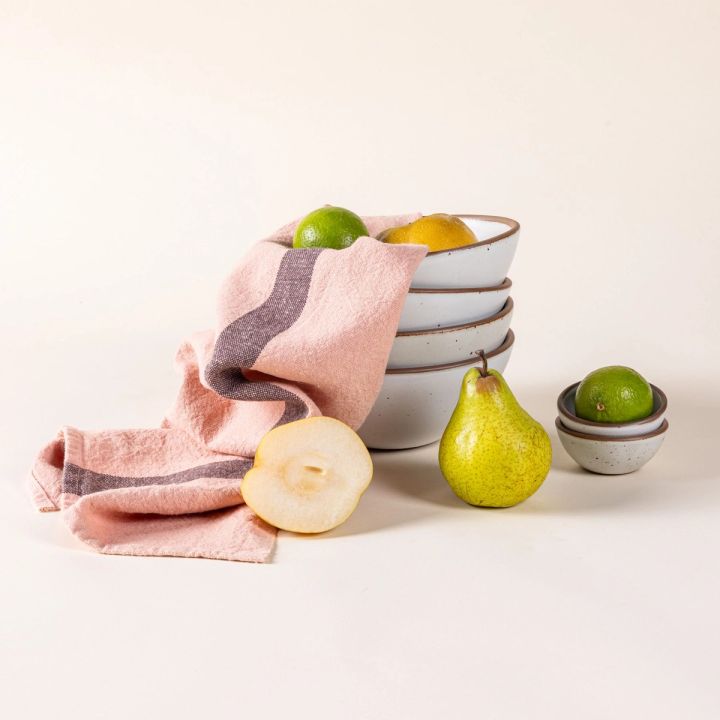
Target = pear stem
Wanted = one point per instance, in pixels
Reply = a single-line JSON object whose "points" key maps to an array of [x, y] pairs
{"points": [[484, 368]]}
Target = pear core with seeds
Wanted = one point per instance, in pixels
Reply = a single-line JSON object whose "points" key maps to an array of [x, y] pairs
{"points": [[308, 475]]}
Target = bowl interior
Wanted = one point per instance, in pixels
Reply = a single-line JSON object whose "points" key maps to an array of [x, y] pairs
{"points": [[566, 406], [489, 227], [486, 228]]}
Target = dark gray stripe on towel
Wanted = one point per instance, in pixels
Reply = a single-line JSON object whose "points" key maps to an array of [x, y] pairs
{"points": [[80, 481], [239, 345]]}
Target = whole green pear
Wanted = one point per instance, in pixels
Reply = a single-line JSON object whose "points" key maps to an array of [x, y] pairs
{"points": [[492, 453]]}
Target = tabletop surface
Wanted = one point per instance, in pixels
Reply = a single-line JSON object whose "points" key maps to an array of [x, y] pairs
{"points": [[596, 588], [145, 146]]}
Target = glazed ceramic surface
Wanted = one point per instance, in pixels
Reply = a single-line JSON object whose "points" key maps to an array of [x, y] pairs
{"points": [[611, 455], [422, 348], [566, 408], [415, 405], [434, 308], [481, 265]]}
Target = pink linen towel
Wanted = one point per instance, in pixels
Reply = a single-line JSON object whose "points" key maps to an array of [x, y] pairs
{"points": [[300, 333]]}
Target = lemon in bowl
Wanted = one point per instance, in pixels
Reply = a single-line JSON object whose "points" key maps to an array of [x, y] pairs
{"points": [[438, 231], [480, 261]]}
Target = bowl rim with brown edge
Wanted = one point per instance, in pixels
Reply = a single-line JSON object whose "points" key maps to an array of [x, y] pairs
{"points": [[593, 423], [611, 438], [504, 310], [506, 344], [506, 284], [514, 227]]}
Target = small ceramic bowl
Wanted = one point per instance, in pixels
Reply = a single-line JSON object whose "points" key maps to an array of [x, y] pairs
{"points": [[422, 348], [482, 264], [566, 409], [435, 308], [415, 404], [611, 455]]}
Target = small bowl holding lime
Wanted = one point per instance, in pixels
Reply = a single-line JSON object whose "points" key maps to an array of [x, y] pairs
{"points": [[572, 420], [613, 421]]}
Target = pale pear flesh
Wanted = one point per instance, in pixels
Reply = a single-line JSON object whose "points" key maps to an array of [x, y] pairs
{"points": [[308, 475]]}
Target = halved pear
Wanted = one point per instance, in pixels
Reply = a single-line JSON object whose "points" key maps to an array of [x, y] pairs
{"points": [[308, 475]]}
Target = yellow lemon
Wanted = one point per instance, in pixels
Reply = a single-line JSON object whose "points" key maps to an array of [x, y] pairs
{"points": [[438, 232]]}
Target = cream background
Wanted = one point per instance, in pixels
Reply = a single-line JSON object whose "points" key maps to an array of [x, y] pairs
{"points": [[145, 145]]}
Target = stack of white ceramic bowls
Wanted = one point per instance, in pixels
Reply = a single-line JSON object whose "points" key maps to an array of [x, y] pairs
{"points": [[607, 448], [459, 305]]}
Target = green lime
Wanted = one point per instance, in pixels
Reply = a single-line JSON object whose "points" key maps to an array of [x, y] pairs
{"points": [[329, 227], [614, 394]]}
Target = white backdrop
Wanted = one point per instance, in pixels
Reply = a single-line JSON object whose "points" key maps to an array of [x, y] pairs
{"points": [[145, 145]]}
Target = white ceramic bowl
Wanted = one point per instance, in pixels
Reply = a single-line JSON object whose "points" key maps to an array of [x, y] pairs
{"points": [[611, 455], [422, 348], [482, 264], [435, 308], [566, 409], [415, 405]]}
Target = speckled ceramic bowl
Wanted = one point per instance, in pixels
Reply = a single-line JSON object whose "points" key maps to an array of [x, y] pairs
{"points": [[566, 408], [482, 264], [611, 455], [415, 404], [439, 307], [438, 346]]}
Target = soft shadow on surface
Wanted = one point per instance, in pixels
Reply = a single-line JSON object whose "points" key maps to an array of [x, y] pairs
{"points": [[408, 486], [415, 473], [680, 475], [689, 449]]}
